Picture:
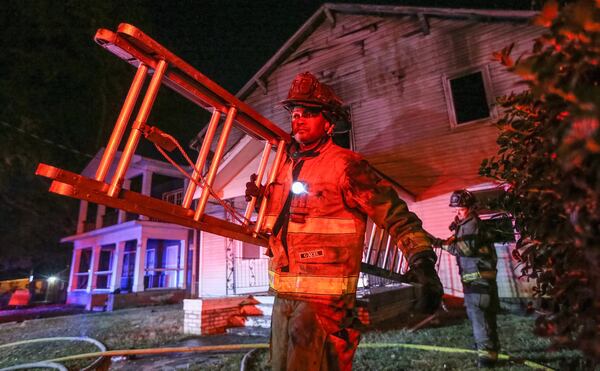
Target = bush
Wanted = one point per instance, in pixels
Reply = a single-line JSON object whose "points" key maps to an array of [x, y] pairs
{"points": [[549, 159]]}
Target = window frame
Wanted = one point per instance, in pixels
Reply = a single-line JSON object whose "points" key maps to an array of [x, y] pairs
{"points": [[106, 274], [79, 274], [489, 95]]}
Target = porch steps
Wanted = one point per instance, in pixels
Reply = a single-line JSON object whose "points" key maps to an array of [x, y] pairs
{"points": [[377, 307], [257, 325]]}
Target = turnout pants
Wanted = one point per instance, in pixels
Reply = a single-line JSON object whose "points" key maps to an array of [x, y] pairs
{"points": [[482, 305], [310, 336]]}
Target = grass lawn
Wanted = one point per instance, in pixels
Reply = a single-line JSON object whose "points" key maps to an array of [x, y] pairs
{"points": [[161, 326]]}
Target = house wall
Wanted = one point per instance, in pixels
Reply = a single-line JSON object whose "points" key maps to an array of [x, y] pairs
{"points": [[391, 74], [213, 265]]}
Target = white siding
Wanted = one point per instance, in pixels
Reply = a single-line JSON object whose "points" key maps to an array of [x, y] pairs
{"points": [[213, 274]]}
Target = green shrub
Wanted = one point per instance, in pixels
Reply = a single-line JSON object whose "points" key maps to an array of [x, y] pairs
{"points": [[549, 159]]}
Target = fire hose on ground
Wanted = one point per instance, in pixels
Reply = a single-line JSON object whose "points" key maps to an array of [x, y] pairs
{"points": [[103, 354]]}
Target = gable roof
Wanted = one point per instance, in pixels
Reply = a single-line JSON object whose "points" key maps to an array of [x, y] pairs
{"points": [[328, 10], [138, 165]]}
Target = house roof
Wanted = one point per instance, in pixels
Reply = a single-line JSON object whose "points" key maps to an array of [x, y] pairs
{"points": [[138, 165], [328, 10]]}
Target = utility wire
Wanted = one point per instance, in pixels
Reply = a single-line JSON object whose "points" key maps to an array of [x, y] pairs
{"points": [[46, 140]]}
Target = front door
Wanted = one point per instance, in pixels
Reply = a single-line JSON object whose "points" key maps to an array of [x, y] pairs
{"points": [[128, 266]]}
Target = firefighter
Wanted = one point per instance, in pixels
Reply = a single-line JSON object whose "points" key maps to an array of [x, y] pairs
{"points": [[316, 214], [476, 259]]}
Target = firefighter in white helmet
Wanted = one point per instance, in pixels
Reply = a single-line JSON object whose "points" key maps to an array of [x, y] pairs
{"points": [[317, 212]]}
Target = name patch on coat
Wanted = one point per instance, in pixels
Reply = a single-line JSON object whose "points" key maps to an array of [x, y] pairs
{"points": [[311, 254]]}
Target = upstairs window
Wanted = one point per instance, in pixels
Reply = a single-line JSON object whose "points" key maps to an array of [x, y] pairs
{"points": [[468, 96]]}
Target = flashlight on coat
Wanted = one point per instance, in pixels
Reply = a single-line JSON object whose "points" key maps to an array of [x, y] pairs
{"points": [[299, 188]]}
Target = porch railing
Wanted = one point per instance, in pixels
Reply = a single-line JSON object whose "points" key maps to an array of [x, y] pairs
{"points": [[251, 273]]}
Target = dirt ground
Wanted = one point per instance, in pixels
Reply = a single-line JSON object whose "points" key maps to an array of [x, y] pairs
{"points": [[38, 311]]}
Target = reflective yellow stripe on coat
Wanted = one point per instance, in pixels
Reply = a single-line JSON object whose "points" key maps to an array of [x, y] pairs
{"points": [[470, 277], [318, 285], [317, 225]]}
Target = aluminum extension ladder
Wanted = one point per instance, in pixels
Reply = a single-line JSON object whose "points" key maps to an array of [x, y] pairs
{"points": [[151, 58]]}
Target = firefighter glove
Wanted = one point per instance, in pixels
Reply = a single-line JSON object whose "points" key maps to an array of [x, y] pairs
{"points": [[252, 190], [422, 272], [437, 243]]}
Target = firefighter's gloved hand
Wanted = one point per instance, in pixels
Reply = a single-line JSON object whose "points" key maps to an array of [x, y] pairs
{"points": [[437, 243], [252, 190], [422, 271]]}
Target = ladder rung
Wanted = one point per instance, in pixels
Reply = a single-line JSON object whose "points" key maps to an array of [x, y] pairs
{"points": [[201, 161], [214, 166], [121, 123], [134, 135], [264, 159], [272, 175]]}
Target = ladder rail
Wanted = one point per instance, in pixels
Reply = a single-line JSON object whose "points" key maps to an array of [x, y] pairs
{"points": [[121, 123], [165, 68], [132, 45]]}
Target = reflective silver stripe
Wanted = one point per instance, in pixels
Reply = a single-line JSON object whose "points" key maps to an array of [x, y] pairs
{"points": [[318, 285], [469, 277], [316, 225], [323, 226]]}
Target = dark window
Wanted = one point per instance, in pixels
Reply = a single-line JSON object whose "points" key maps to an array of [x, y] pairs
{"points": [[82, 274], [469, 97], [131, 245], [104, 263], [111, 217], [128, 265], [103, 281], [163, 263], [84, 260], [90, 217], [82, 281]]}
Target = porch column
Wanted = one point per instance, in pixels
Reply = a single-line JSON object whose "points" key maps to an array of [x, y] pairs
{"points": [[146, 188], [182, 264], [76, 258], [100, 216], [81, 219], [195, 263], [117, 264], [140, 265], [93, 268], [122, 215]]}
